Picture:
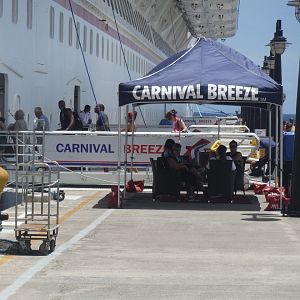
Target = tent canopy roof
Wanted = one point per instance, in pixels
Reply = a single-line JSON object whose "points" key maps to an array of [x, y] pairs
{"points": [[208, 72]]}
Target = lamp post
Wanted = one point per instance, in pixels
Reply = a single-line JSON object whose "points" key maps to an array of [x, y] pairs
{"points": [[294, 207]]}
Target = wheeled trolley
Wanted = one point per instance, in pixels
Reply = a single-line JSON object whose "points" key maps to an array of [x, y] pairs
{"points": [[37, 214]]}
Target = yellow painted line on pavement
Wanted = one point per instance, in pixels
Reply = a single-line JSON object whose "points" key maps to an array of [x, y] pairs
{"points": [[6, 258], [74, 210]]}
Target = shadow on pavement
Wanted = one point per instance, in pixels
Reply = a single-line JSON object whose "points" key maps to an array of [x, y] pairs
{"points": [[144, 201], [261, 217]]}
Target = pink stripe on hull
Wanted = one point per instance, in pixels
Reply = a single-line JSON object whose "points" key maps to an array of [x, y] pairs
{"points": [[93, 20]]}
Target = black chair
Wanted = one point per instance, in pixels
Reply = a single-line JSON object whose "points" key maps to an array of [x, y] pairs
{"points": [[239, 184], [220, 178], [165, 181]]}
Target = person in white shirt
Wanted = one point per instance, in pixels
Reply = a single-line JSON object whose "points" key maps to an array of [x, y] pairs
{"points": [[85, 116]]}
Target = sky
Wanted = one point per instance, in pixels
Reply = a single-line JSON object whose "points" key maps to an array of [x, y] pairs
{"points": [[256, 27]]}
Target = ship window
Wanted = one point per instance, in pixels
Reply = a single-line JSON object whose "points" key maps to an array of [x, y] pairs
{"points": [[77, 35], [108, 2], [70, 31], [1, 8], [61, 27], [121, 57], [133, 61], [97, 45], [117, 53], [91, 41], [137, 63], [127, 11], [107, 50], [29, 14], [112, 51], [120, 8], [123, 10], [115, 6], [102, 47], [51, 22], [84, 38], [14, 15]]}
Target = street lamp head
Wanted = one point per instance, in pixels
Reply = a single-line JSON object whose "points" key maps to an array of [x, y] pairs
{"points": [[278, 44], [271, 62]]}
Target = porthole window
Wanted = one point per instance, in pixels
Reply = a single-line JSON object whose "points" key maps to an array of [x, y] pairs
{"points": [[61, 27], [14, 11], [52, 22], [29, 14], [84, 38], [91, 41], [102, 47], [97, 45], [78, 32], [70, 32], [1, 8]]}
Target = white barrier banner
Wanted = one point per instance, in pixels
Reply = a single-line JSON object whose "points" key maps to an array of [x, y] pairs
{"points": [[102, 150]]}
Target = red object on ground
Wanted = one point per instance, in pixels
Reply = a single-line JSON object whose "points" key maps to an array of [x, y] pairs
{"points": [[113, 197], [258, 188], [274, 202], [135, 186]]}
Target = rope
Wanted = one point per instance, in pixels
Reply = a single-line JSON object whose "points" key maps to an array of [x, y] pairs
{"points": [[123, 53], [78, 38]]}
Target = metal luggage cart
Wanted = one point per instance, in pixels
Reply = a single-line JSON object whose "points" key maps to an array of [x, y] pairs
{"points": [[37, 183]]}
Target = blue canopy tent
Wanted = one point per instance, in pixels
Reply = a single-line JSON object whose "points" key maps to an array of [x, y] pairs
{"points": [[207, 73]]}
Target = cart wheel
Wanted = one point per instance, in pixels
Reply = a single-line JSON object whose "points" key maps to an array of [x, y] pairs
{"points": [[52, 245], [24, 247], [44, 248], [62, 195]]}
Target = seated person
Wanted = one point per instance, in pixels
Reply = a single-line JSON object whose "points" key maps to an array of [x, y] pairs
{"points": [[256, 168], [221, 155], [220, 179], [236, 156], [168, 148], [188, 174]]}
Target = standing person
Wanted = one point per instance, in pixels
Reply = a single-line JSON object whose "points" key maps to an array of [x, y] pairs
{"points": [[288, 155], [85, 116], [42, 120], [20, 124], [178, 123], [66, 117], [102, 123]]}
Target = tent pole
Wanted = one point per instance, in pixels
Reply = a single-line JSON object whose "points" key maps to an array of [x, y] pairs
{"points": [[270, 140], [281, 154], [132, 142], [276, 145], [125, 150], [119, 155]]}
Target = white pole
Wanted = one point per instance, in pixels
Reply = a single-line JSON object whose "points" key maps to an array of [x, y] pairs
{"points": [[281, 154], [119, 155], [270, 140], [132, 142], [125, 150], [277, 139]]}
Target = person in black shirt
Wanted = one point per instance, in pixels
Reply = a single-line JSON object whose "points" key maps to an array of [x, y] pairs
{"points": [[67, 121]]}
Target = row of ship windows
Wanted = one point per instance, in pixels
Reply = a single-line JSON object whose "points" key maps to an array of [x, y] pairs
{"points": [[15, 12], [113, 51], [125, 10], [102, 47]]}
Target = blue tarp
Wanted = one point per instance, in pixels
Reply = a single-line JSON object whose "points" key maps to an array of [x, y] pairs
{"points": [[208, 72]]}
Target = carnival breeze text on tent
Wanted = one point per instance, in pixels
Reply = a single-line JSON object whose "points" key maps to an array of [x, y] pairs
{"points": [[219, 92]]}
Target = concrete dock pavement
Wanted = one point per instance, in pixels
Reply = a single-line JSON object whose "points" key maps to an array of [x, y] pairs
{"points": [[152, 250]]}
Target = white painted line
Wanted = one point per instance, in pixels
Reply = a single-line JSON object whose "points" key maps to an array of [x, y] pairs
{"points": [[44, 262]]}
